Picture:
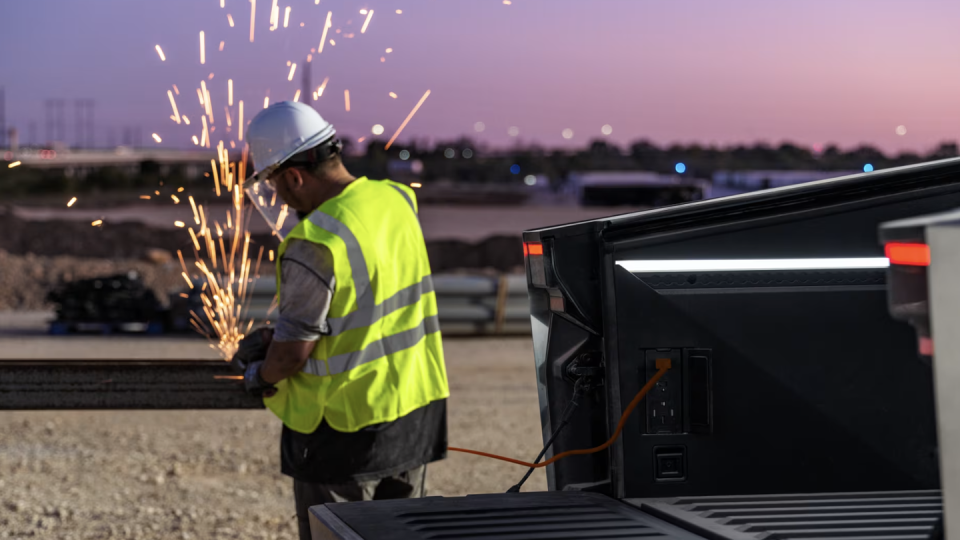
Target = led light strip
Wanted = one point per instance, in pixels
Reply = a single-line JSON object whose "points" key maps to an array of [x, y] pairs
{"points": [[735, 265]]}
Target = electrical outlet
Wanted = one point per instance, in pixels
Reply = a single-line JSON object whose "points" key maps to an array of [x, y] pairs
{"points": [[664, 402]]}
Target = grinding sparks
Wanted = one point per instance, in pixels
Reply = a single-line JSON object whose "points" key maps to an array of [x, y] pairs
{"points": [[240, 120], [178, 224], [271, 255], [160, 52], [222, 4], [97, 223], [326, 26], [157, 138], [145, 197], [200, 95], [409, 116], [176, 200], [14, 164], [205, 135], [399, 12], [293, 69], [296, 97], [366, 23], [230, 92], [73, 200], [230, 20], [507, 2], [187, 279], [176, 90], [416, 184], [221, 46], [346, 99], [226, 112], [195, 140], [286, 17], [193, 205], [253, 13], [173, 103], [323, 85], [274, 16], [203, 49], [266, 102], [393, 95], [389, 50]]}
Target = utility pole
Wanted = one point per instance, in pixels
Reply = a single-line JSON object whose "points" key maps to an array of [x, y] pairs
{"points": [[78, 123], [3, 117]]}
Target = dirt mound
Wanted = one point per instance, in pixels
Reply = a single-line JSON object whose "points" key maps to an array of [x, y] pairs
{"points": [[138, 241], [25, 280]]}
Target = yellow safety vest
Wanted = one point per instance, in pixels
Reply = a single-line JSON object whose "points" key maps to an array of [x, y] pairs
{"points": [[383, 357]]}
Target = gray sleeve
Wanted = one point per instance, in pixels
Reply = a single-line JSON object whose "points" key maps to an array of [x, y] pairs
{"points": [[306, 289]]}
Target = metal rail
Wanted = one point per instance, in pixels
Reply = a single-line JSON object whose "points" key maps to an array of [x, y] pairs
{"points": [[121, 384]]}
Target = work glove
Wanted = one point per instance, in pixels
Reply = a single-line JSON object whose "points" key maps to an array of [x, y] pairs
{"points": [[254, 384], [252, 348]]}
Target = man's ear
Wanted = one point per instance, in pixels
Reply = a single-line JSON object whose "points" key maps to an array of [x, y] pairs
{"points": [[294, 179]]}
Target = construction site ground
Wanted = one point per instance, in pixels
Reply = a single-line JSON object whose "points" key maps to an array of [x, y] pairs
{"points": [[215, 474]]}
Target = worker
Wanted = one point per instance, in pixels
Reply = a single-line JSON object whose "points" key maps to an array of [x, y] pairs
{"points": [[354, 366]]}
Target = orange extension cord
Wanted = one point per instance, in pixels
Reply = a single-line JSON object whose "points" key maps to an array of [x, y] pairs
{"points": [[663, 364]]}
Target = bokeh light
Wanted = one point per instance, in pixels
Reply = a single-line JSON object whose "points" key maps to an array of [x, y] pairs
{"points": [[513, 131], [607, 129], [567, 133], [515, 169], [449, 153], [479, 126], [901, 130], [530, 180], [868, 168], [680, 168], [404, 155], [377, 129], [467, 153]]}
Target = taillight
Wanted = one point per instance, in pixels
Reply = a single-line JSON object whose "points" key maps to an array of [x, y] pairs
{"points": [[908, 254], [532, 248]]}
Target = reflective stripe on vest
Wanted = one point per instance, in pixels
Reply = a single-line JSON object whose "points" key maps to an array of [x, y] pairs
{"points": [[374, 351]]}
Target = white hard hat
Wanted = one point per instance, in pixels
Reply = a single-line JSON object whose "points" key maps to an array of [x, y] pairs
{"points": [[282, 131]]}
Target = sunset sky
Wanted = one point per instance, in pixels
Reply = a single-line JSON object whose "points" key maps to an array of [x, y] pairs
{"points": [[714, 72]]}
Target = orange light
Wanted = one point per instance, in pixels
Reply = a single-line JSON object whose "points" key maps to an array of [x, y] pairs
{"points": [[532, 248], [908, 254]]}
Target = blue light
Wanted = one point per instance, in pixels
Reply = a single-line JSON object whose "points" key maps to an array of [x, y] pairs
{"points": [[515, 169], [680, 168], [868, 168]]}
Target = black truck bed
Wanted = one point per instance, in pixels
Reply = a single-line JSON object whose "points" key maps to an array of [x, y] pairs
{"points": [[579, 515]]}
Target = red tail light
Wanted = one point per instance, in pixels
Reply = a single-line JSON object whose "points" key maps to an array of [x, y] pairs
{"points": [[532, 248], [908, 254]]}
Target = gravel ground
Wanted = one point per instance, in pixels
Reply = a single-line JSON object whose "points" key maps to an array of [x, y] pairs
{"points": [[214, 474]]}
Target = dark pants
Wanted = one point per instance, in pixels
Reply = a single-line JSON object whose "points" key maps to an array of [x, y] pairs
{"points": [[406, 485]]}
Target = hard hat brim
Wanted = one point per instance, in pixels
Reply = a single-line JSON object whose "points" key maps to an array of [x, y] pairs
{"points": [[318, 139]]}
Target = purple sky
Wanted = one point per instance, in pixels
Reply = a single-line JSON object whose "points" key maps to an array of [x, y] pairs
{"points": [[810, 71]]}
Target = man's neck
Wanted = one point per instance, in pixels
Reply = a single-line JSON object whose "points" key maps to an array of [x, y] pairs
{"points": [[334, 186]]}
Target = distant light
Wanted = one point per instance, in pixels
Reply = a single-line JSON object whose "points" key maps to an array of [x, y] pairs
{"points": [[404, 155], [449, 153], [567, 133], [901, 130], [515, 169], [513, 131], [416, 184], [868, 168], [680, 168], [530, 180], [363, 12], [377, 129], [157, 138], [479, 126], [399, 12], [607, 129], [14, 164], [467, 153]]}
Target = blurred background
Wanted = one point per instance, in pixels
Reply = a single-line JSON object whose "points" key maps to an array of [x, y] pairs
{"points": [[118, 118]]}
